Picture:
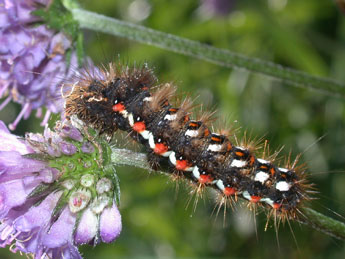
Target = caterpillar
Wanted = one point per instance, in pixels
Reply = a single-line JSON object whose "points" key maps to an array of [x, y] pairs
{"points": [[130, 99]]}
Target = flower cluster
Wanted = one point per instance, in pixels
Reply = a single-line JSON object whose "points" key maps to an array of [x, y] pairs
{"points": [[32, 60], [56, 192]]}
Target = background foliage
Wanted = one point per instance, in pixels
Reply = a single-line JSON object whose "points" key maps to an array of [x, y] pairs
{"points": [[307, 35]]}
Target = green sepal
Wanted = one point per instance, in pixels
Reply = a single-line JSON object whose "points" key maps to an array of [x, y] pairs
{"points": [[68, 56], [38, 156], [116, 182], [41, 189], [63, 201], [77, 221]]}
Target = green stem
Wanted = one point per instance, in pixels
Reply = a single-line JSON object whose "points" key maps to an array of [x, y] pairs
{"points": [[323, 223], [312, 218], [223, 57]]}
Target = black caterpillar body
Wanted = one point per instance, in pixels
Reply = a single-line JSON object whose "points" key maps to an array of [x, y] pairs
{"points": [[127, 99]]}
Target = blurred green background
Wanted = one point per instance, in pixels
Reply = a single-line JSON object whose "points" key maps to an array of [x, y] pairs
{"points": [[307, 35]]}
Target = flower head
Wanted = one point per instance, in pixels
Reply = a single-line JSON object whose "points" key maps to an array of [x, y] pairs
{"points": [[32, 60], [53, 195]]}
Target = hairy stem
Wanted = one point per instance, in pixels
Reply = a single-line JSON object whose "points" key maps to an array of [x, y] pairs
{"points": [[222, 57], [312, 218]]}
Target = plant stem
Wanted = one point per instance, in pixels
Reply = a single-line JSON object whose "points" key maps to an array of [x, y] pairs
{"points": [[222, 57], [312, 218]]}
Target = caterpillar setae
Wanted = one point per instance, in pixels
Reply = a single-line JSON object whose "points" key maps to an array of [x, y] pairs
{"points": [[129, 99]]}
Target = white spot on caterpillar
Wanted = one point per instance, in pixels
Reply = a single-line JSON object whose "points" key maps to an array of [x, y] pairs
{"points": [[220, 185], [261, 177], [170, 117], [145, 134], [214, 148], [246, 195], [283, 186], [151, 141], [262, 161], [124, 113], [196, 172], [172, 158], [189, 169], [268, 201], [238, 163], [130, 119], [93, 98], [166, 154], [284, 170], [147, 99], [192, 133], [241, 148]]}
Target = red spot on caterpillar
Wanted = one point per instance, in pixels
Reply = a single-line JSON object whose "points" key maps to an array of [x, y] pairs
{"points": [[207, 132], [119, 107], [229, 191], [193, 124], [276, 206], [255, 199], [160, 148], [182, 165], [139, 126], [205, 178], [229, 147], [252, 160], [272, 171], [216, 139], [239, 153]]}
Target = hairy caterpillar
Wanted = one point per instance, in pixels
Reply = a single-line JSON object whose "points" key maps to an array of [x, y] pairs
{"points": [[127, 98]]}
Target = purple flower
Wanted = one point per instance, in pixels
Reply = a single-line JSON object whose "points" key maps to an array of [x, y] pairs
{"points": [[110, 224], [53, 196], [32, 60]]}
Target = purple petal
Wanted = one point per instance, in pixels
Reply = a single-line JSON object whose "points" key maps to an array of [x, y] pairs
{"points": [[38, 216], [68, 148], [59, 42], [71, 132], [87, 147], [68, 252], [13, 164], [60, 233], [19, 39], [12, 194], [9, 142], [110, 224], [22, 73], [87, 228]]}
